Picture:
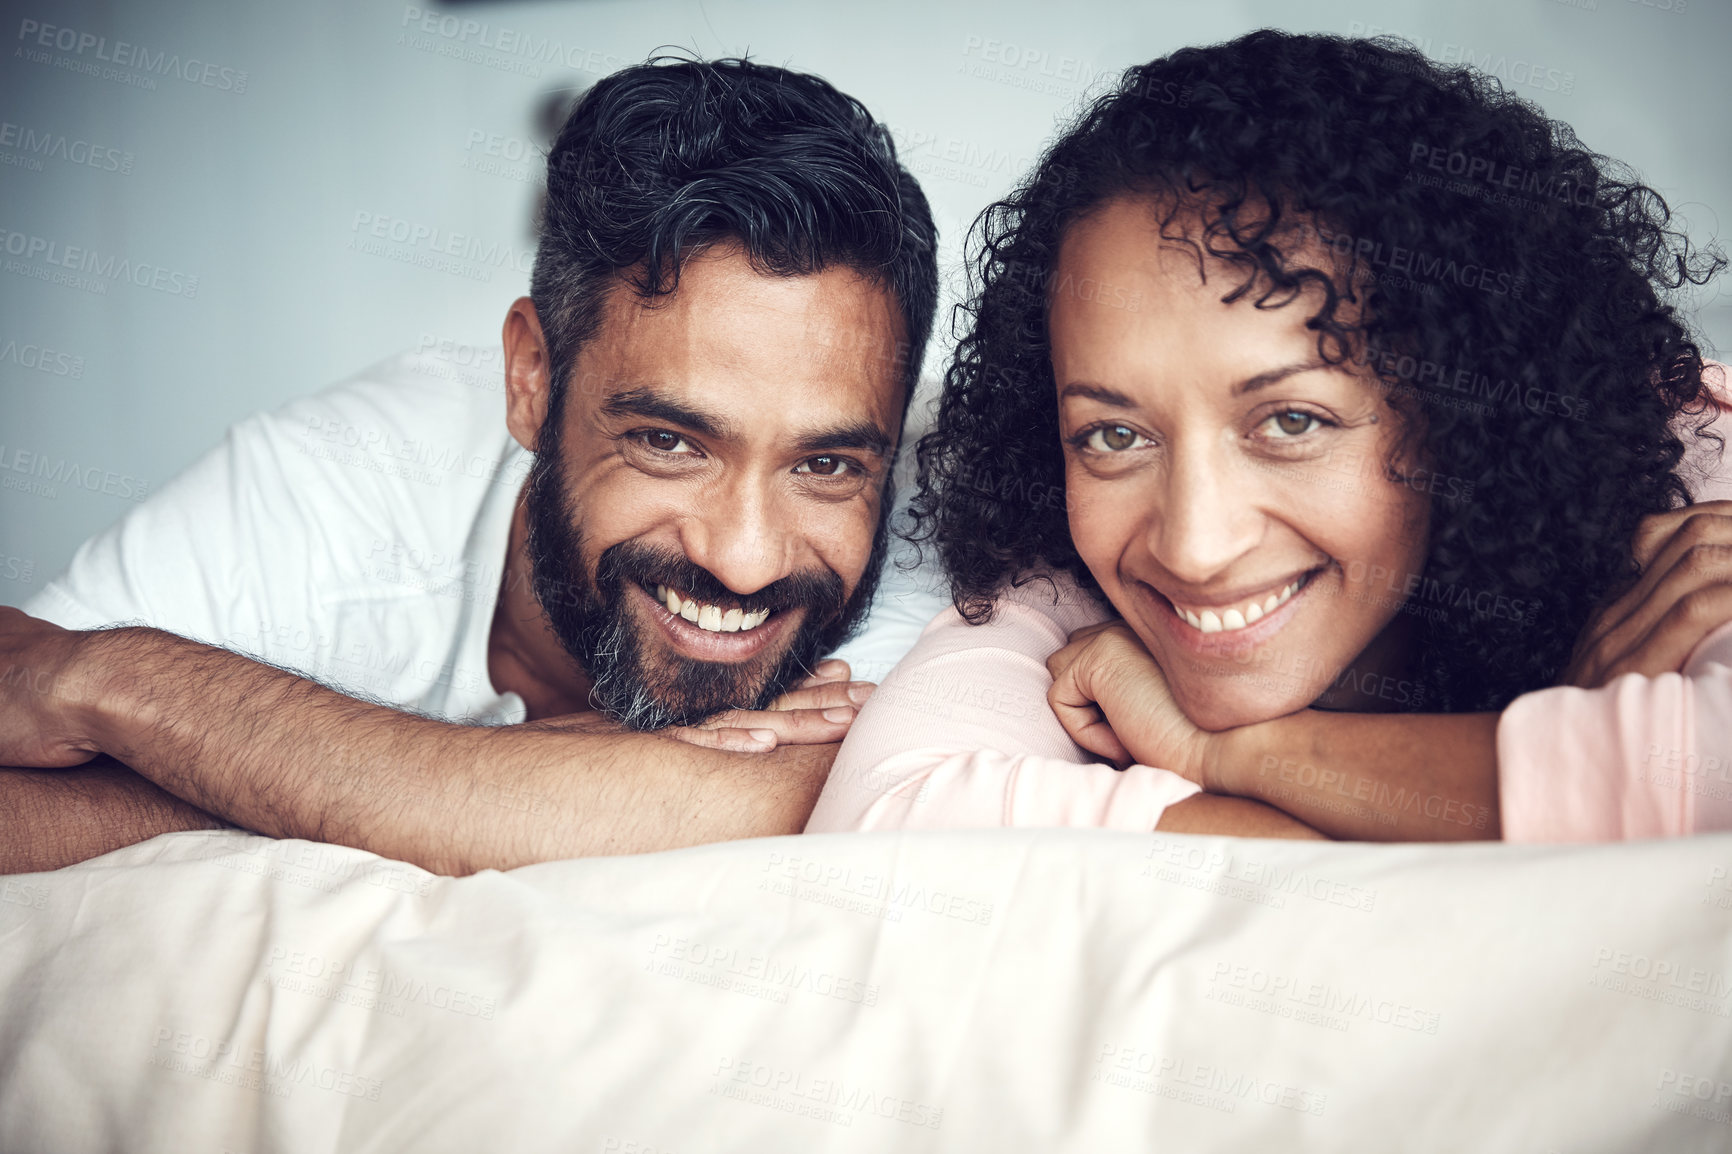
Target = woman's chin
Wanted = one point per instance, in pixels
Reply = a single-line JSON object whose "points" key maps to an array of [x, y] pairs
{"points": [[1215, 711]]}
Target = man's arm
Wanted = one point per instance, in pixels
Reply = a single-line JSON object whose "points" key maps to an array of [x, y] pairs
{"points": [[59, 817], [287, 757]]}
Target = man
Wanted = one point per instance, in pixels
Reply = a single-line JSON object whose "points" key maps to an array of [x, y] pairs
{"points": [[734, 282]]}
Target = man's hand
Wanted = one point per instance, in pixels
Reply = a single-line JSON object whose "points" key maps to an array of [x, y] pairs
{"points": [[1683, 594], [818, 711], [1112, 698], [41, 684]]}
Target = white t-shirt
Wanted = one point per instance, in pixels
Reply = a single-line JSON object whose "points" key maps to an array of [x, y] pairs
{"points": [[358, 535]]}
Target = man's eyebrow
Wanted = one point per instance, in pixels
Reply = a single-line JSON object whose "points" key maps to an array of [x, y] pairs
{"points": [[644, 402], [855, 435]]}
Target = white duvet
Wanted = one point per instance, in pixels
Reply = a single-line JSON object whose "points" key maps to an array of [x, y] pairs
{"points": [[974, 991]]}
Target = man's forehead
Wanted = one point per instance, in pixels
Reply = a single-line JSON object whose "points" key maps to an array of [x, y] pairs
{"points": [[788, 348]]}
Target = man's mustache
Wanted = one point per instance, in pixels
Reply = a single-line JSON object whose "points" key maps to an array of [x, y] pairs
{"points": [[819, 590]]}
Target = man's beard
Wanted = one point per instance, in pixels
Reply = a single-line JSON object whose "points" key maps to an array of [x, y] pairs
{"points": [[592, 622]]}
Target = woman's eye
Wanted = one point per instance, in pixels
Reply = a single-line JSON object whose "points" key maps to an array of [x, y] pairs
{"points": [[1114, 439], [663, 441], [1295, 423], [824, 466]]}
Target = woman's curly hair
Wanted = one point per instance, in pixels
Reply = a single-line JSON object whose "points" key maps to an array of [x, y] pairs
{"points": [[1508, 286]]}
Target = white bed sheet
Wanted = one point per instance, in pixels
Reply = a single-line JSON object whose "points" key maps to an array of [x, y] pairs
{"points": [[971, 991]]}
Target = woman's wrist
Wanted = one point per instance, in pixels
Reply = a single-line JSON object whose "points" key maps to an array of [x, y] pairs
{"points": [[1237, 761]]}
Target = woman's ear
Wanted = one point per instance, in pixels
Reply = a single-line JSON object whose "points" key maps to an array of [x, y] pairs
{"points": [[528, 373]]}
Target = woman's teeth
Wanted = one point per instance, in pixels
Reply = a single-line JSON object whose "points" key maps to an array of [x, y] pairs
{"points": [[710, 617], [1251, 612]]}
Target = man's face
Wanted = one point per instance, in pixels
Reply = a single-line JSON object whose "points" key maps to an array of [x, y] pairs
{"points": [[706, 510]]}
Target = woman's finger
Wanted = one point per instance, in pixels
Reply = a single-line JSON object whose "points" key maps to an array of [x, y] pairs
{"points": [[1690, 618], [1681, 569]]}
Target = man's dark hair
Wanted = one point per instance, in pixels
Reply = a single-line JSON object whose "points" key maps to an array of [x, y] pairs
{"points": [[662, 159]]}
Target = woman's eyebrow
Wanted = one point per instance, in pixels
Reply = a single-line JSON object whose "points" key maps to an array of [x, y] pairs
{"points": [[1263, 380], [1096, 392]]}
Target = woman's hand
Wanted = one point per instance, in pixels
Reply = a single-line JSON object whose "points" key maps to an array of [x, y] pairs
{"points": [[1113, 700], [1683, 594]]}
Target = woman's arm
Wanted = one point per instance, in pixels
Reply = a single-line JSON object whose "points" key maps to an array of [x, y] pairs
{"points": [[1370, 777], [1643, 756], [960, 735]]}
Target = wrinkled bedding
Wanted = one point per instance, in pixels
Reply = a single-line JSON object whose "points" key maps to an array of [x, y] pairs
{"points": [[1011, 990]]}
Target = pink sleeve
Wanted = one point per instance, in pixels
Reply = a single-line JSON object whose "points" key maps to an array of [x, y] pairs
{"points": [[1637, 757], [960, 735]]}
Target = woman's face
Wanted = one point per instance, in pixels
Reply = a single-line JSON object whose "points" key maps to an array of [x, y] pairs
{"points": [[1227, 489]]}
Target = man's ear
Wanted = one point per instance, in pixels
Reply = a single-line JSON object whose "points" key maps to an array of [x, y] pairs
{"points": [[528, 374]]}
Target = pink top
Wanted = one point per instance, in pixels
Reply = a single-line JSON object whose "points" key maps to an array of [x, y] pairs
{"points": [[960, 733], [1639, 756]]}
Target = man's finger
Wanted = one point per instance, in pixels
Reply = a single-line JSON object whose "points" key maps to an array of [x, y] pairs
{"points": [[734, 740], [829, 695], [826, 671], [790, 726]]}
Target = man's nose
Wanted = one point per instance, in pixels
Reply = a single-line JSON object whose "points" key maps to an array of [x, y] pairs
{"points": [[741, 535]]}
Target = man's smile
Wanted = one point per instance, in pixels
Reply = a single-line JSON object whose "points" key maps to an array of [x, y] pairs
{"points": [[700, 630]]}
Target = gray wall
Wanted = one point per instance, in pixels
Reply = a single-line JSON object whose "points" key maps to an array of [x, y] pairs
{"points": [[249, 170]]}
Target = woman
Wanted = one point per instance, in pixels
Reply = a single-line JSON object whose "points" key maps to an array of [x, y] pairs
{"points": [[1366, 414]]}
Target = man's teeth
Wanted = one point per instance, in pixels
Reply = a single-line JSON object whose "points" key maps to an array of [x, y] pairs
{"points": [[710, 617], [1248, 614]]}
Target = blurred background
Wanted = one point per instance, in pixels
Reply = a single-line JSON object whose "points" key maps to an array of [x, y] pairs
{"points": [[208, 208]]}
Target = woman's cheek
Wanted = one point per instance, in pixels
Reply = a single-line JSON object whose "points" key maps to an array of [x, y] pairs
{"points": [[1095, 531]]}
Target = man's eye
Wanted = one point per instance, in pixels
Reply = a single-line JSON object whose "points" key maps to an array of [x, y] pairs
{"points": [[663, 441], [1115, 439], [825, 466]]}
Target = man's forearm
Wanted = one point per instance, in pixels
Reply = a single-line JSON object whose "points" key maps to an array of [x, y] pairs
{"points": [[51, 818], [288, 757], [1369, 777]]}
